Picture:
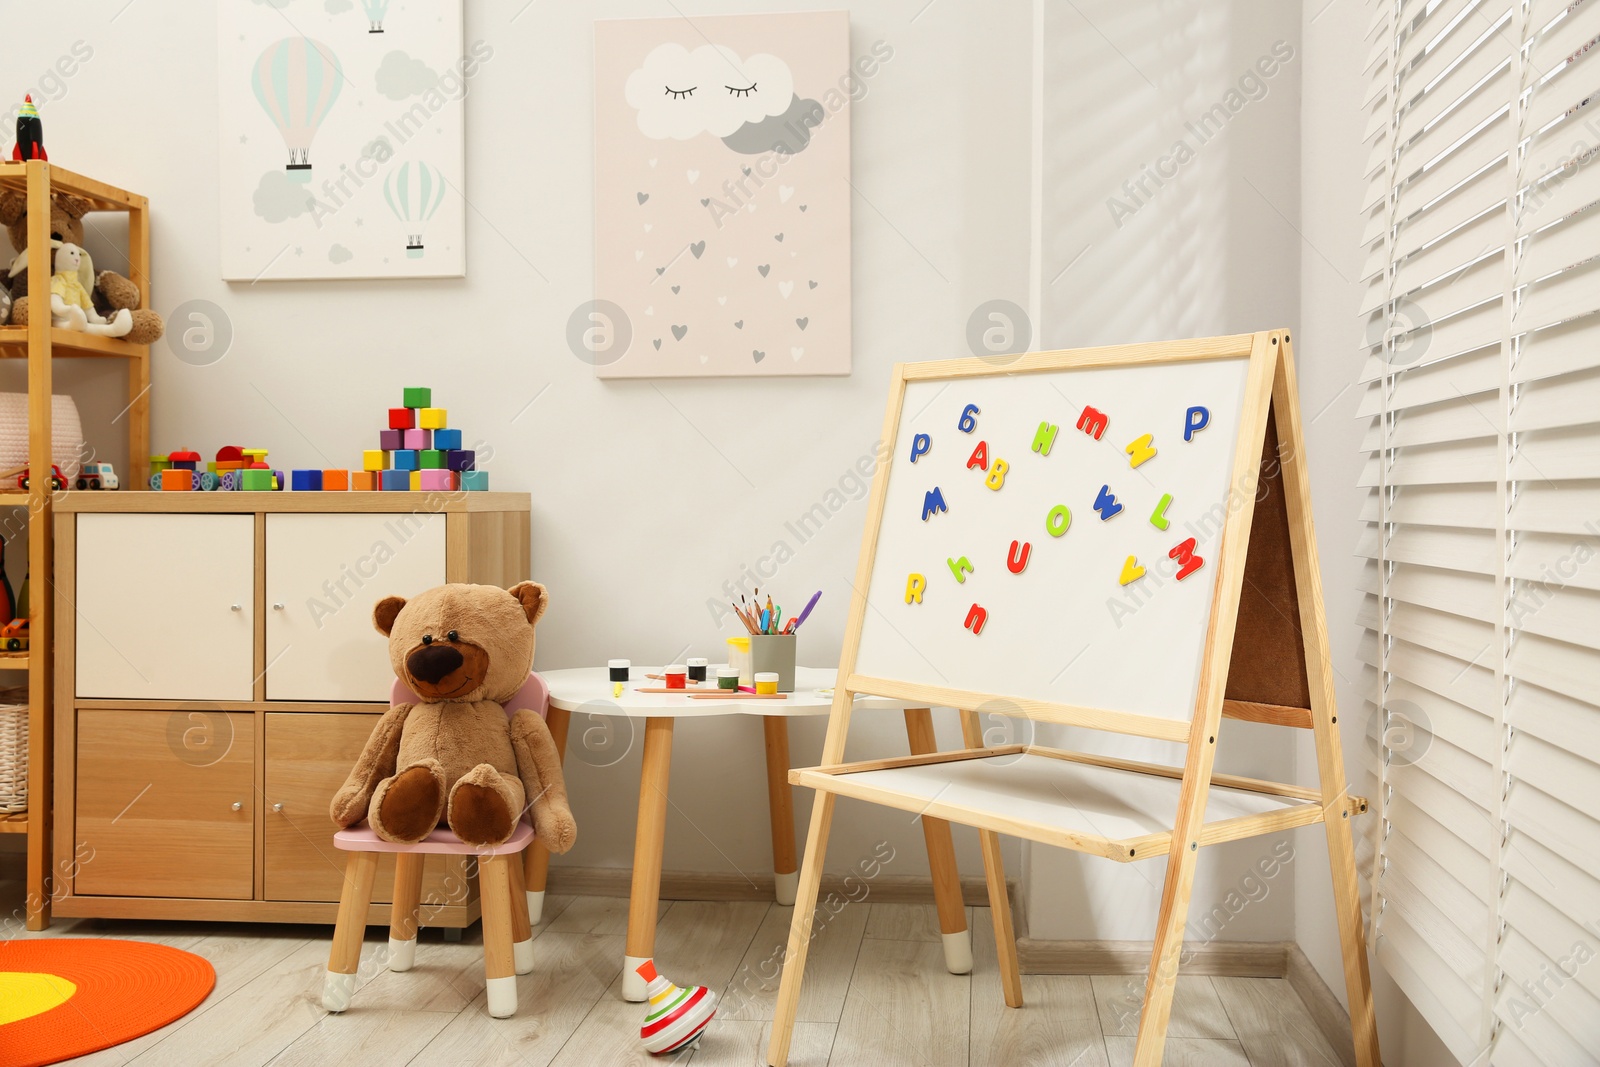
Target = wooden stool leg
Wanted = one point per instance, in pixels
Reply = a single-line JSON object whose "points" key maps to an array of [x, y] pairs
{"points": [[994, 872], [345, 958], [780, 806], [536, 860], [521, 928], [403, 913], [499, 965], [805, 908], [649, 836], [942, 859]]}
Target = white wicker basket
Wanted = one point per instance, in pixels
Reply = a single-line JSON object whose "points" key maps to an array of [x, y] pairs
{"points": [[13, 754]]}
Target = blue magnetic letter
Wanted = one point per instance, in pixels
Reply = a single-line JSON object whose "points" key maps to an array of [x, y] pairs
{"points": [[920, 445], [1194, 420], [932, 502]]}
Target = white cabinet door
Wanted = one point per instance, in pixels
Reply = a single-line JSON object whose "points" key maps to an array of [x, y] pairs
{"points": [[324, 574], [166, 606]]}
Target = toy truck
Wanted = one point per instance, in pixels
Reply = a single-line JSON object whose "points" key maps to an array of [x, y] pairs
{"points": [[97, 476]]}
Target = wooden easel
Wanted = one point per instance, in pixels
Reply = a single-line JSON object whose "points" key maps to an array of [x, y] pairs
{"points": [[1267, 603]]}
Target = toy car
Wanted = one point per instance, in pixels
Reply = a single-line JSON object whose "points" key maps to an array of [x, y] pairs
{"points": [[57, 479], [14, 636], [97, 476]]}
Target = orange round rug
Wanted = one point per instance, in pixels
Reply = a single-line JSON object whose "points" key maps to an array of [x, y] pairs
{"points": [[66, 997]]}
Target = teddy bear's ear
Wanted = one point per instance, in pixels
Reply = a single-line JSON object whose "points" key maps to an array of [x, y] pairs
{"points": [[12, 207], [534, 599], [384, 612], [75, 206]]}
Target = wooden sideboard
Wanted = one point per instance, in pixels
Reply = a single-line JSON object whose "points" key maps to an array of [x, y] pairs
{"points": [[217, 674]]}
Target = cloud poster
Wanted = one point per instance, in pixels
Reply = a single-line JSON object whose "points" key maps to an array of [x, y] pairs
{"points": [[341, 138], [722, 193]]}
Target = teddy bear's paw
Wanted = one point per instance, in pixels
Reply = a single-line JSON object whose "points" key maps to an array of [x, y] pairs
{"points": [[556, 828], [480, 814], [406, 808]]}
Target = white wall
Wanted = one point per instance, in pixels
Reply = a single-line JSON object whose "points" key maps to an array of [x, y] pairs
{"points": [[1208, 248], [621, 472], [1330, 332]]}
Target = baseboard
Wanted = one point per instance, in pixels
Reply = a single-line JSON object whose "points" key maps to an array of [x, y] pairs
{"points": [[1326, 1012], [701, 885], [1230, 959]]}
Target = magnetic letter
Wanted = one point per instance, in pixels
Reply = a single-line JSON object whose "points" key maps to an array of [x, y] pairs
{"points": [[997, 474], [976, 617], [1131, 571], [915, 584], [968, 423], [1158, 517], [960, 568], [1188, 562], [933, 502], [1092, 422], [1017, 558], [920, 445], [979, 457], [1058, 520], [1140, 450], [1106, 503], [1195, 420], [1044, 438]]}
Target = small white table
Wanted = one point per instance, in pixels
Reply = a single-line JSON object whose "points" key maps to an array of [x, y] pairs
{"points": [[589, 691]]}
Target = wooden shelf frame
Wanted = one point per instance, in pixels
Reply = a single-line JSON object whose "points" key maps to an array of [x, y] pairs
{"points": [[40, 343]]}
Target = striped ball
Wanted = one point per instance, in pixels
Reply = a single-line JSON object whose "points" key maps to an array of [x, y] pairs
{"points": [[675, 1016]]}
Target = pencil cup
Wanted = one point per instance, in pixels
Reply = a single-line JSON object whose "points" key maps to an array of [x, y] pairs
{"points": [[774, 653]]}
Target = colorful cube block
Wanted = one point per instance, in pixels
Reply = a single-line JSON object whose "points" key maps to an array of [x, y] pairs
{"points": [[432, 418], [306, 481], [256, 480], [416, 481], [174, 480], [335, 481], [461, 459], [431, 459], [364, 481], [394, 481], [375, 460], [417, 439], [402, 418], [392, 440], [441, 481], [445, 440], [418, 397], [475, 481], [404, 460]]}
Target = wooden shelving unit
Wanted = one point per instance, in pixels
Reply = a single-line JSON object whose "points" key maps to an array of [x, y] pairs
{"points": [[40, 344]]}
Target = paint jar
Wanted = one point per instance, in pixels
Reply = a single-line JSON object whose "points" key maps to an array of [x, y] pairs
{"points": [[728, 678], [739, 659], [697, 668], [774, 652], [618, 669], [766, 682], [677, 676]]}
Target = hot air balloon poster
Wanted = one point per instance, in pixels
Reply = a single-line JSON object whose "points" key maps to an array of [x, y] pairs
{"points": [[722, 191], [342, 152]]}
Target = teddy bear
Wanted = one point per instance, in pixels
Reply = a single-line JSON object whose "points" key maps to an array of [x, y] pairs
{"points": [[452, 758], [111, 292]]}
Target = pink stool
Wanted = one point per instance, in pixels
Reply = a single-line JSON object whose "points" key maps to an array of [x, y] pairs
{"points": [[507, 929]]}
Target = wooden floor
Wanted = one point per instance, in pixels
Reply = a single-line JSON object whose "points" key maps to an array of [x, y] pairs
{"points": [[876, 994]]}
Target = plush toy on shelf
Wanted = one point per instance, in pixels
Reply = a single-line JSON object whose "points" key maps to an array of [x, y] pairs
{"points": [[110, 291], [452, 758], [71, 306]]}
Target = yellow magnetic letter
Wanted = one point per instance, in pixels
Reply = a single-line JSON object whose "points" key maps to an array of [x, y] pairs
{"points": [[997, 474], [1140, 450], [915, 584]]}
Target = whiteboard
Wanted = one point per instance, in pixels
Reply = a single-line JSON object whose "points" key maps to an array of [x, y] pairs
{"points": [[1065, 629]]}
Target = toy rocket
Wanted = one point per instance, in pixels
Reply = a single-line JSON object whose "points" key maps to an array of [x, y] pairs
{"points": [[30, 133]]}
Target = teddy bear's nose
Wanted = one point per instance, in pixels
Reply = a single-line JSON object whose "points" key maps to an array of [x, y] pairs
{"points": [[430, 663]]}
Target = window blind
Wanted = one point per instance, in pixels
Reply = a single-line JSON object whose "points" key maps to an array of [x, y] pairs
{"points": [[1480, 656]]}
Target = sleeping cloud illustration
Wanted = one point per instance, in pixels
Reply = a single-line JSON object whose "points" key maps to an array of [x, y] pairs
{"points": [[749, 103]]}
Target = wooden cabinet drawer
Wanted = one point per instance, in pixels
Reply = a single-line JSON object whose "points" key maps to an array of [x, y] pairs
{"points": [[324, 574], [165, 607], [165, 804], [307, 758]]}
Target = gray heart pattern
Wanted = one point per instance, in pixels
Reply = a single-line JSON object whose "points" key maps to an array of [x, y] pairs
{"points": [[739, 325], [764, 268], [698, 248], [803, 322], [678, 332], [758, 355], [643, 197], [657, 343], [675, 288]]}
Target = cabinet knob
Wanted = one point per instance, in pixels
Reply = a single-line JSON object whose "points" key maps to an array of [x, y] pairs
{"points": [[235, 607], [278, 606], [277, 807], [237, 806]]}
